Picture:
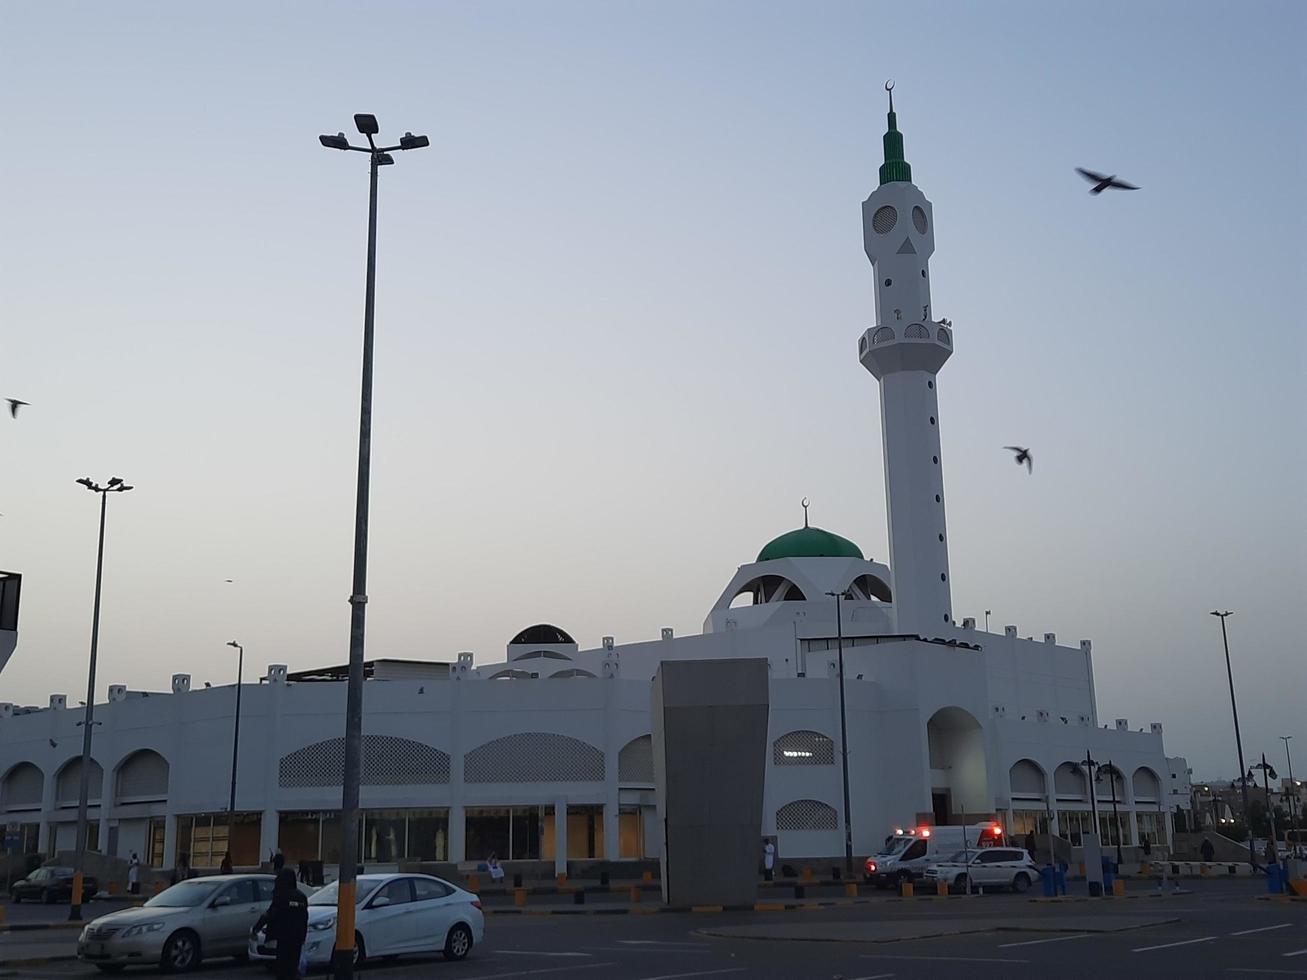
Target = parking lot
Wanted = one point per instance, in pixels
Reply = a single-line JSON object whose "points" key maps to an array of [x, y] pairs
{"points": [[1219, 930]]}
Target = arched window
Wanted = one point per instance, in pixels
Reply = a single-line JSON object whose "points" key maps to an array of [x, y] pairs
{"points": [[511, 674], [635, 761], [22, 788], [544, 634], [807, 815], [1026, 780], [534, 757], [387, 761], [142, 777], [1147, 787], [67, 785], [868, 586], [572, 672], [541, 655], [1069, 782], [803, 748], [768, 588], [916, 331]]}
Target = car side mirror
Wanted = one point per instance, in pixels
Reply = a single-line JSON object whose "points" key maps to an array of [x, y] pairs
{"points": [[381, 901], [220, 901]]}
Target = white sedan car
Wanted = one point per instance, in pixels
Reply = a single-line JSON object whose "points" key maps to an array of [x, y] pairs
{"points": [[988, 867], [397, 913]]}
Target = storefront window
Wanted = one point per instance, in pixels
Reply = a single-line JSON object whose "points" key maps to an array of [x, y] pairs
{"points": [[630, 832], [1025, 822], [428, 835], [1153, 826], [512, 833], [205, 838], [154, 849]]}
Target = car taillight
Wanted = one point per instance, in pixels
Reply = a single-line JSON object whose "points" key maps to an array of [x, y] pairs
{"points": [[871, 866], [476, 903]]}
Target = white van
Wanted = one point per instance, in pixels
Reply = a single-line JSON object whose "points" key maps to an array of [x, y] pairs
{"points": [[908, 853]]}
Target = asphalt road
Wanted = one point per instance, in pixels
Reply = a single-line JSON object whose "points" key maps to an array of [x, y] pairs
{"points": [[1219, 931]]}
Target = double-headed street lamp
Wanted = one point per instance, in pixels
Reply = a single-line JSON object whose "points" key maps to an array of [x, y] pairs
{"points": [[1113, 773], [1268, 773], [235, 736], [844, 729], [1293, 786], [115, 485], [343, 961], [1238, 740]]}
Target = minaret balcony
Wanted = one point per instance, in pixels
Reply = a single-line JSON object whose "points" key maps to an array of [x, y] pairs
{"points": [[918, 346]]}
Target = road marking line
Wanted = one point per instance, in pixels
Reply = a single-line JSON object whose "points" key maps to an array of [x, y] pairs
{"points": [[949, 959], [701, 973], [1038, 942], [535, 952], [532, 973], [1297, 952], [1249, 932], [646, 949], [878, 976], [1249, 969], [660, 942], [1183, 942]]}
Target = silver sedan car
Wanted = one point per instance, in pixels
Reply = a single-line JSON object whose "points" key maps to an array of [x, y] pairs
{"points": [[194, 920]]}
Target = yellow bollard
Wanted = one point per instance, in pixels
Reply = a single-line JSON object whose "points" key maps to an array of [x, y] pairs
{"points": [[472, 883], [519, 897], [1202, 869], [648, 878], [941, 888], [635, 892], [1145, 870], [560, 879], [807, 873], [1118, 887], [905, 889], [851, 890]]}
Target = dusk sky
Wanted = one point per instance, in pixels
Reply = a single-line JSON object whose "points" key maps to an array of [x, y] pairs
{"points": [[618, 306]]}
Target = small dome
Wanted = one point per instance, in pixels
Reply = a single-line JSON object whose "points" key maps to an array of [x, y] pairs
{"points": [[809, 542], [542, 634]]}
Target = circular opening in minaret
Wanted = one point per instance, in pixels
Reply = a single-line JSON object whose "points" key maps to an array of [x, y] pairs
{"points": [[923, 273], [884, 220], [941, 537], [946, 617], [930, 384], [919, 219], [943, 577], [935, 460], [937, 498], [889, 282], [932, 420]]}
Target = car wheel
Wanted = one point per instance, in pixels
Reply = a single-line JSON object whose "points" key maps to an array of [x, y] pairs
{"points": [[963, 884], [1021, 883], [904, 877], [360, 951], [181, 952], [459, 942]]}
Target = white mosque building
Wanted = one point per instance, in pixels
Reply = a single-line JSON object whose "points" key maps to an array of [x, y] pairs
{"points": [[547, 755]]}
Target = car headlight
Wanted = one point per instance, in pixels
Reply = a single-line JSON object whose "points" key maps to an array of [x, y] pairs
{"points": [[324, 925], [141, 930]]}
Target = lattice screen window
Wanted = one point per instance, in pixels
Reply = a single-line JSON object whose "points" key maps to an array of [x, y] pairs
{"points": [[806, 815], [916, 331], [23, 787], [387, 761], [534, 757], [803, 748], [635, 761], [144, 776], [68, 785]]}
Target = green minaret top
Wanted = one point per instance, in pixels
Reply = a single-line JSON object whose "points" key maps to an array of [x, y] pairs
{"points": [[895, 168]]}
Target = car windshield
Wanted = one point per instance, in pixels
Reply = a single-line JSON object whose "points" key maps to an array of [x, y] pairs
{"points": [[183, 895], [329, 895], [897, 845], [961, 857]]}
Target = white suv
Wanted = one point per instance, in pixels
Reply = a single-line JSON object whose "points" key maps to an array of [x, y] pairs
{"points": [[990, 867]]}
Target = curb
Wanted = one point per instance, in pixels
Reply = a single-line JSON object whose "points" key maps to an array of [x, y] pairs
{"points": [[679, 909], [37, 960], [38, 926], [939, 934], [1281, 898], [1099, 898]]}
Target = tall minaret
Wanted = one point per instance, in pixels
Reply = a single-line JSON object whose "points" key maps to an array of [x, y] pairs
{"points": [[905, 350]]}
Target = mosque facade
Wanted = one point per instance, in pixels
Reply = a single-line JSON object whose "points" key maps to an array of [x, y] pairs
{"points": [[546, 755]]}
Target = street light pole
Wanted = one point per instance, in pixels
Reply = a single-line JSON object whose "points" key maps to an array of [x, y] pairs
{"points": [[1293, 786], [115, 485], [235, 737], [345, 952], [1238, 740], [1268, 773], [844, 733], [1112, 773], [1090, 766]]}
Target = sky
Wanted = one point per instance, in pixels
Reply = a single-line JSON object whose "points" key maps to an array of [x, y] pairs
{"points": [[617, 313]]}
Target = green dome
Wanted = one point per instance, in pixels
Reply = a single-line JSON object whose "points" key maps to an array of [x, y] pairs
{"points": [[810, 542]]}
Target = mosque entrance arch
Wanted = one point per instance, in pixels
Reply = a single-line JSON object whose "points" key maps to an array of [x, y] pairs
{"points": [[959, 773]]}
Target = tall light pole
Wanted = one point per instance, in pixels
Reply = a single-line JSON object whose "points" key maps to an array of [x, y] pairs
{"points": [[1112, 772], [115, 485], [1238, 740], [844, 731], [343, 961], [1268, 773], [1293, 788], [235, 737]]}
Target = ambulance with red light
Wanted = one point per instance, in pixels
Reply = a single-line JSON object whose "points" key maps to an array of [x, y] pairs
{"points": [[908, 852]]}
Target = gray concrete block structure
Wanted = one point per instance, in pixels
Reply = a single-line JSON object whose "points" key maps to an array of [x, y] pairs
{"points": [[710, 751]]}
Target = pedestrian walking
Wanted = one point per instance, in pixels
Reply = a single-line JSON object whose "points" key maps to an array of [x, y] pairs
{"points": [[182, 870], [1207, 850], [768, 860], [1146, 846], [278, 862], [286, 922], [134, 875], [1031, 844], [225, 868]]}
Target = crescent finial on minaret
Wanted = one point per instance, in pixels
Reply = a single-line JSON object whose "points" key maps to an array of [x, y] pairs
{"points": [[889, 87], [805, 511]]}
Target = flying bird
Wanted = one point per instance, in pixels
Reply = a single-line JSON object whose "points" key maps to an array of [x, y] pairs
{"points": [[13, 406], [1102, 182], [1023, 456]]}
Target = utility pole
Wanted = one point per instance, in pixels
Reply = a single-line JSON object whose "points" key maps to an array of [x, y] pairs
{"points": [[1238, 740], [844, 733]]}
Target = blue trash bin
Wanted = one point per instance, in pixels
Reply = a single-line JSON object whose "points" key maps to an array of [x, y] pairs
{"points": [[1274, 880], [1059, 879], [1109, 873], [1049, 878]]}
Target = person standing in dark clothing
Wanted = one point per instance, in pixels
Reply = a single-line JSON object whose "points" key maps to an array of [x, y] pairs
{"points": [[286, 923], [225, 868], [1208, 851]]}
